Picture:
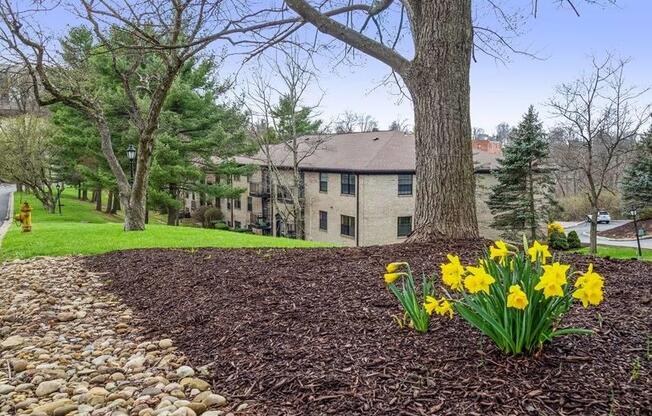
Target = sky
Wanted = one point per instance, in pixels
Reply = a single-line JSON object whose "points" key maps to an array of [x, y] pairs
{"points": [[500, 91], [503, 91]]}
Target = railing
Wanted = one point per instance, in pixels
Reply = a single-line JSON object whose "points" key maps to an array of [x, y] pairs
{"points": [[258, 221], [258, 188]]}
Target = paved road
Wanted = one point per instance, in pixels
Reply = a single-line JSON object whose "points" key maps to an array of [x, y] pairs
{"points": [[5, 192], [583, 232]]}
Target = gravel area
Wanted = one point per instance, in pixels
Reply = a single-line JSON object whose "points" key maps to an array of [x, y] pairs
{"points": [[69, 348], [310, 332]]}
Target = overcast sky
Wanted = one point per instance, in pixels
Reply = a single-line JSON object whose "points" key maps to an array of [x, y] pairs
{"points": [[499, 91]]}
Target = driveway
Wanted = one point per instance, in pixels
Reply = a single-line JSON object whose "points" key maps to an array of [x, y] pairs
{"points": [[583, 232], [5, 193]]}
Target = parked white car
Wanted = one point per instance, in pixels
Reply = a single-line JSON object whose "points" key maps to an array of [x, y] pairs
{"points": [[603, 217]]}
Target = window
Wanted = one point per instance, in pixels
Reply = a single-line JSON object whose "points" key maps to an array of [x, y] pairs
{"points": [[236, 203], [236, 178], [323, 220], [228, 204], [238, 225], [404, 226], [348, 184], [405, 184], [348, 226], [250, 204], [323, 182]]}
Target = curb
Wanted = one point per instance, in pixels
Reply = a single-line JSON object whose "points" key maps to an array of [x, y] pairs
{"points": [[10, 214], [646, 237]]}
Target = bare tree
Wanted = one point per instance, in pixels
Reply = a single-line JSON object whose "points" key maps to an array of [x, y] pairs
{"points": [[502, 133], [25, 157], [281, 120], [165, 32], [436, 77], [350, 122], [400, 124], [601, 117]]}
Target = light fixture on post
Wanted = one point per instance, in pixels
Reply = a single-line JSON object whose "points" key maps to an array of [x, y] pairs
{"points": [[131, 155], [633, 213]]}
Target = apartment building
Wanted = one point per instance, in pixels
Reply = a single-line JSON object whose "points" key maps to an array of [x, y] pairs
{"points": [[358, 189]]}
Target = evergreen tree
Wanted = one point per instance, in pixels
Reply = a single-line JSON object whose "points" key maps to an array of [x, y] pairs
{"points": [[524, 195], [637, 181]]}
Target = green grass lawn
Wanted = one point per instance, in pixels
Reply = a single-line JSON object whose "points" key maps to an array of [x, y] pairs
{"points": [[619, 252], [82, 230]]}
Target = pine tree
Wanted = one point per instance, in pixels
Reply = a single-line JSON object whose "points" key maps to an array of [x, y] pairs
{"points": [[524, 195], [637, 180]]}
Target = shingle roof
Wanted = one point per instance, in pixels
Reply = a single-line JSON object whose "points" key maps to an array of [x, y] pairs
{"points": [[371, 152]]}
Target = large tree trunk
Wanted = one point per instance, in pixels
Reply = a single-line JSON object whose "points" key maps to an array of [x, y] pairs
{"points": [[109, 202], [173, 212], [438, 81], [98, 199]]}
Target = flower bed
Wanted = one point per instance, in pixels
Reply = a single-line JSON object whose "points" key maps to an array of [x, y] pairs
{"points": [[298, 332]]}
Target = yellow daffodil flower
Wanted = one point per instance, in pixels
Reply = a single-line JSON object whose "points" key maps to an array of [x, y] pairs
{"points": [[392, 277], [552, 280], [589, 276], [430, 305], [444, 307], [452, 272], [498, 250], [393, 267], [592, 295], [537, 250], [478, 280], [516, 298], [590, 285]]}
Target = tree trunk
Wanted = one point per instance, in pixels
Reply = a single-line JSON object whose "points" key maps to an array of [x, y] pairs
{"points": [[594, 230], [109, 202], [84, 194], [532, 213], [438, 81], [79, 192], [173, 212], [98, 199], [134, 210], [115, 207]]}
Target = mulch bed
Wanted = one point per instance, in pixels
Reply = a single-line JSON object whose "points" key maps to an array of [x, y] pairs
{"points": [[627, 230], [310, 332]]}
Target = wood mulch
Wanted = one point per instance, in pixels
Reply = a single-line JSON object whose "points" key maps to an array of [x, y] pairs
{"points": [[310, 332], [627, 230]]}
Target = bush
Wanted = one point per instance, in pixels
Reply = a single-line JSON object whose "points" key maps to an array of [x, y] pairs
{"points": [[558, 241], [555, 227], [221, 225], [513, 297], [573, 240], [212, 216]]}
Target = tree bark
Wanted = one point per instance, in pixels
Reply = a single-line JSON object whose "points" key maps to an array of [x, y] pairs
{"points": [[173, 212], [115, 207], [84, 196], [98, 199], [109, 202], [438, 81], [594, 230]]}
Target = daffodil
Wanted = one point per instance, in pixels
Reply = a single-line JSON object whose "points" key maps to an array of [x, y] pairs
{"points": [[392, 277], [590, 285], [589, 295], [444, 307], [393, 267], [478, 280], [537, 250], [516, 298], [452, 272], [498, 250], [552, 280], [589, 277], [430, 305]]}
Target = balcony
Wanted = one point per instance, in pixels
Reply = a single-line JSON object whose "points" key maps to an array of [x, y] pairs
{"points": [[259, 188]]}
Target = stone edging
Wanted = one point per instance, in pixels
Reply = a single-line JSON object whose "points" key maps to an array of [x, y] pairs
{"points": [[10, 215]]}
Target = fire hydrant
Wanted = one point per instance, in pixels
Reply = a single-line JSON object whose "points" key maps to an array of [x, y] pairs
{"points": [[25, 217]]}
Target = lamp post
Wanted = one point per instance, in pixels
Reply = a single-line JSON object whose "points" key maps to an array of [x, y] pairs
{"points": [[633, 213], [131, 155], [59, 197]]}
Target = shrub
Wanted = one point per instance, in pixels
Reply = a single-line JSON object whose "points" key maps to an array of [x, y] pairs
{"points": [[221, 225], [198, 215], [212, 216], [558, 241], [555, 227], [573, 240], [515, 298], [415, 309]]}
